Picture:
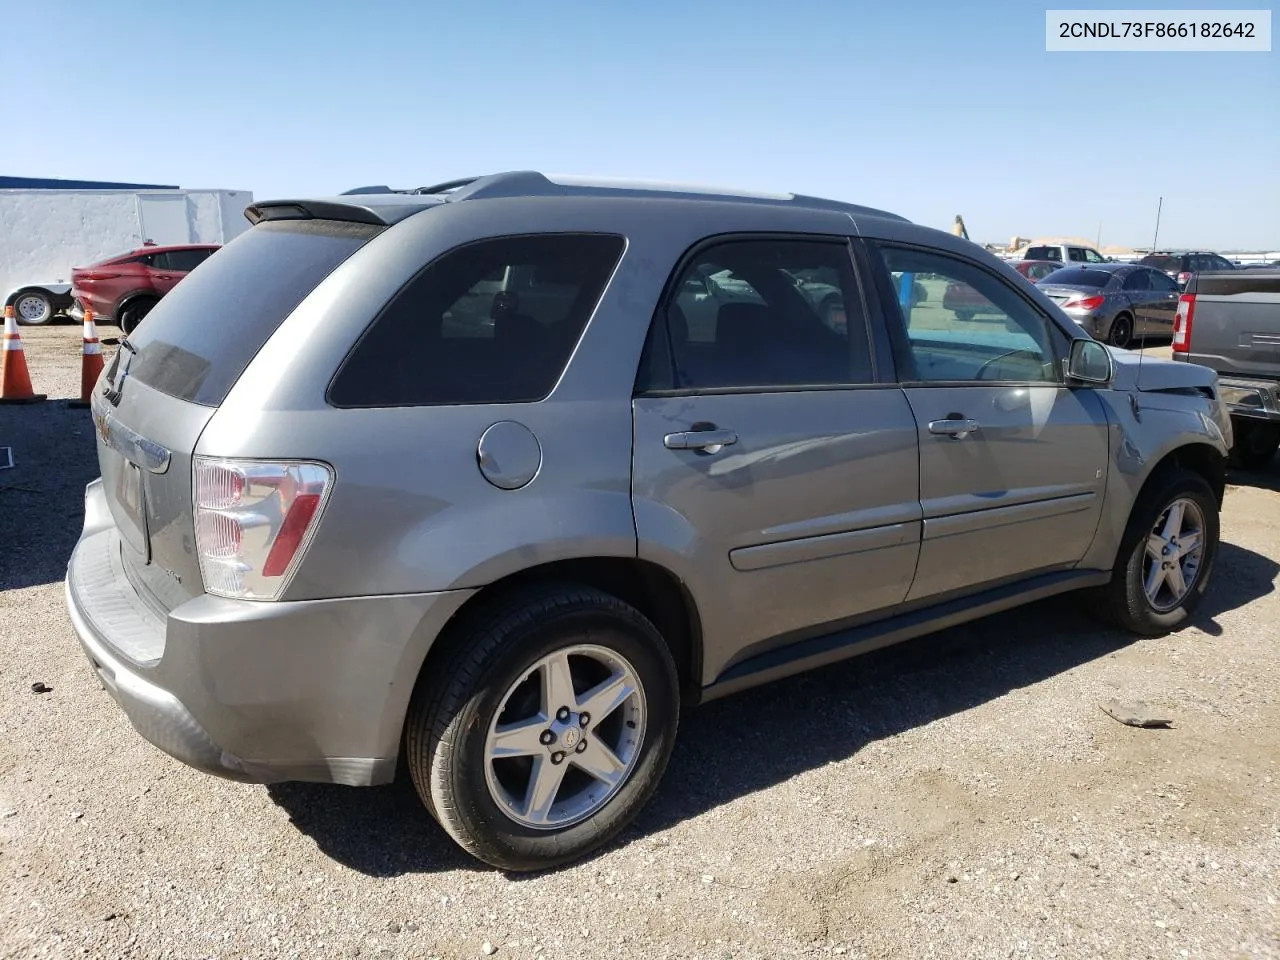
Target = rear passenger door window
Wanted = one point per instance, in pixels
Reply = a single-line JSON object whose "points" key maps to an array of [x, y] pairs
{"points": [[759, 314], [490, 322]]}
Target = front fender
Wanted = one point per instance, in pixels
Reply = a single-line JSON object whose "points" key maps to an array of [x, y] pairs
{"points": [[1162, 426]]}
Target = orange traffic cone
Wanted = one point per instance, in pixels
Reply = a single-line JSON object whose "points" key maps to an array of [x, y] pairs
{"points": [[15, 380], [90, 362]]}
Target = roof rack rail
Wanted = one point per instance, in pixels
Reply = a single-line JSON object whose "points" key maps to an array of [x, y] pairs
{"points": [[530, 183]]}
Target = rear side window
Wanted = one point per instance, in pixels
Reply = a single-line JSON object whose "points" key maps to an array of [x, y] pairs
{"points": [[491, 322], [186, 259], [198, 339]]}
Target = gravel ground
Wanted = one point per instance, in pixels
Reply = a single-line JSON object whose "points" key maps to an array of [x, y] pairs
{"points": [[960, 796]]}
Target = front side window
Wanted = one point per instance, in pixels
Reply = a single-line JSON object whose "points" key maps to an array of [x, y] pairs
{"points": [[1076, 254], [767, 313], [491, 322], [1162, 282], [1092, 256], [1006, 341]]}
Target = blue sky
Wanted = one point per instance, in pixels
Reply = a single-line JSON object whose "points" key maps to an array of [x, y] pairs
{"points": [[926, 108]]}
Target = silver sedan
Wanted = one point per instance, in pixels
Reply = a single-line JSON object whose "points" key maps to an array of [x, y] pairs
{"points": [[1115, 302]]}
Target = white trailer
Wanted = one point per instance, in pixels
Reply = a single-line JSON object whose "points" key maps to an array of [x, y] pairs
{"points": [[46, 232]]}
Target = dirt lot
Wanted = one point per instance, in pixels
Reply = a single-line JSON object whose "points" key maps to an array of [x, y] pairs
{"points": [[960, 796]]}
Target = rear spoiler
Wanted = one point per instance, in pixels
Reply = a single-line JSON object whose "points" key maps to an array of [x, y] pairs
{"points": [[380, 213]]}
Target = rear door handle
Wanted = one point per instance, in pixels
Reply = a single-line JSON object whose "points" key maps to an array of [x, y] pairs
{"points": [[699, 440], [955, 429]]}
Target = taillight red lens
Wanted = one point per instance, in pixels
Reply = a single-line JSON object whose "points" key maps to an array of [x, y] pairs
{"points": [[1182, 323], [1184, 276], [294, 528], [1085, 303]]}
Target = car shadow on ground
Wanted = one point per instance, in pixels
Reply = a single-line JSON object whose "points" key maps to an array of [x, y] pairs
{"points": [[1262, 478], [750, 742]]}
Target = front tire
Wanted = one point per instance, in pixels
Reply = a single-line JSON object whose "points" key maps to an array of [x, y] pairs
{"points": [[33, 308], [1167, 555], [1121, 332], [545, 727], [133, 314]]}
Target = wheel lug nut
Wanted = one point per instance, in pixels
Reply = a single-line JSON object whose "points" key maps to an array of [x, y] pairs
{"points": [[584, 719], [582, 745], [562, 714], [547, 737], [558, 757]]}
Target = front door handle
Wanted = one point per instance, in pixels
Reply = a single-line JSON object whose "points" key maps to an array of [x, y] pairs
{"points": [[709, 440], [956, 429]]}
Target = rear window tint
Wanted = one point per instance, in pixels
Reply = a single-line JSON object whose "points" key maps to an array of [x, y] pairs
{"points": [[198, 339], [1043, 253], [1079, 277], [1162, 262], [490, 322]]}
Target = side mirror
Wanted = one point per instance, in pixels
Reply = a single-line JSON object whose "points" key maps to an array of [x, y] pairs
{"points": [[1090, 363]]}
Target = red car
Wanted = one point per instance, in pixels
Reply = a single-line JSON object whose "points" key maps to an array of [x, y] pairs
{"points": [[122, 289], [966, 303]]}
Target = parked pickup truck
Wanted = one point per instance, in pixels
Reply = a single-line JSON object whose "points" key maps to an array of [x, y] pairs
{"points": [[1230, 321]]}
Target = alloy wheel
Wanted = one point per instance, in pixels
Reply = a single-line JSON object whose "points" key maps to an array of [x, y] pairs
{"points": [[565, 737]]}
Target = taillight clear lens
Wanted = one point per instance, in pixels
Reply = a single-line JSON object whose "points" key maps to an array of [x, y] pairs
{"points": [[1182, 323], [253, 522]]}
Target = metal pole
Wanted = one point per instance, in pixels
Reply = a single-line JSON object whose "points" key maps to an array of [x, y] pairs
{"points": [[1157, 236]]}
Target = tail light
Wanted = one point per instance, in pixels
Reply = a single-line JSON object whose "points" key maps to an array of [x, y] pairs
{"points": [[1182, 323], [254, 520], [1084, 303], [1183, 277]]}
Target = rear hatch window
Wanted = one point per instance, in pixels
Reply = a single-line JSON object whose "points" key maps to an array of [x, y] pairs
{"points": [[198, 340], [1043, 253], [1162, 263]]}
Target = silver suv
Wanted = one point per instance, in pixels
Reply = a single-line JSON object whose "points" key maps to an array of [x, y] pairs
{"points": [[489, 481]]}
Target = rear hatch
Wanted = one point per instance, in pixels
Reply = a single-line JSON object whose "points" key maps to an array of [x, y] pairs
{"points": [[169, 377]]}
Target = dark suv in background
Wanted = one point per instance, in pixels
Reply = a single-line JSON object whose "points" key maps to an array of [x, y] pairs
{"points": [[122, 289], [1181, 265]]}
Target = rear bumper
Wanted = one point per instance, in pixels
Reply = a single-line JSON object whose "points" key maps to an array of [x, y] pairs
{"points": [[254, 691], [1255, 399], [103, 309]]}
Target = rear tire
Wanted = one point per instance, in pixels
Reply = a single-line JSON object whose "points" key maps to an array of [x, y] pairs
{"points": [[1255, 444], [1121, 332], [499, 663], [1127, 600], [133, 314], [33, 308]]}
